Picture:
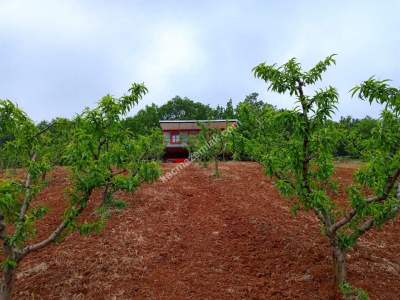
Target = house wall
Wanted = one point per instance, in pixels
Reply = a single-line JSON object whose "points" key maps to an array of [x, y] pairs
{"points": [[171, 140], [176, 136]]}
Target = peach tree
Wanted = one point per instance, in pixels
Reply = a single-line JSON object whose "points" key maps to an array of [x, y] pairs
{"points": [[210, 145], [22, 145], [103, 153], [100, 155], [297, 151]]}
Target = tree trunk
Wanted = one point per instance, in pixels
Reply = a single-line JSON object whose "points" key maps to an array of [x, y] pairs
{"points": [[339, 264], [8, 270], [44, 175], [5, 292], [6, 283], [216, 170], [106, 195]]}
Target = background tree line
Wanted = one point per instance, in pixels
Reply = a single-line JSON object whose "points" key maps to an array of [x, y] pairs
{"points": [[352, 133]]}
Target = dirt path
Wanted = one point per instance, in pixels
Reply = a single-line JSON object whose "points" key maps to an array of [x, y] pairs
{"points": [[196, 237]]}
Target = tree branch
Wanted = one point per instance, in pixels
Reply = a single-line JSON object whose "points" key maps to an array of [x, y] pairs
{"points": [[3, 232], [51, 238], [306, 161], [367, 225], [280, 177], [28, 194], [43, 130], [55, 234], [391, 180], [306, 155], [102, 142]]}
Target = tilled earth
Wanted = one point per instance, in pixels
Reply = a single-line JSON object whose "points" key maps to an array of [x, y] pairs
{"points": [[197, 237]]}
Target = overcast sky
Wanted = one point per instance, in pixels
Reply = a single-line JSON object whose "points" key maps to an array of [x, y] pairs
{"points": [[56, 57]]}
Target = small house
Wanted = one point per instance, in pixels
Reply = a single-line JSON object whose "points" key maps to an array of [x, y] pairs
{"points": [[176, 135]]}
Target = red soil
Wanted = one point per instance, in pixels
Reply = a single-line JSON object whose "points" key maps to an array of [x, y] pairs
{"points": [[203, 238]]}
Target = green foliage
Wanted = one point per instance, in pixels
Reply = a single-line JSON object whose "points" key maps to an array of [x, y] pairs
{"points": [[287, 77], [373, 90], [144, 122], [382, 154], [298, 146], [104, 153], [117, 203], [209, 145], [16, 136], [250, 113], [177, 108], [9, 200], [56, 136], [353, 136], [185, 109], [87, 228], [25, 148], [8, 263], [227, 112], [349, 292], [100, 152]]}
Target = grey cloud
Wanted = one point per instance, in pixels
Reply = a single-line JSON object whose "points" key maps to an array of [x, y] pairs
{"points": [[58, 57]]}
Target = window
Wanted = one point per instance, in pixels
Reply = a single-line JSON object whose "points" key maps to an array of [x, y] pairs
{"points": [[175, 138]]}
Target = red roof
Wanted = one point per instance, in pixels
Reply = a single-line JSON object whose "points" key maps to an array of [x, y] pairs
{"points": [[193, 124]]}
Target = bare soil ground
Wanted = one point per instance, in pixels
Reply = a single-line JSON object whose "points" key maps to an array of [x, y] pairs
{"points": [[196, 237]]}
